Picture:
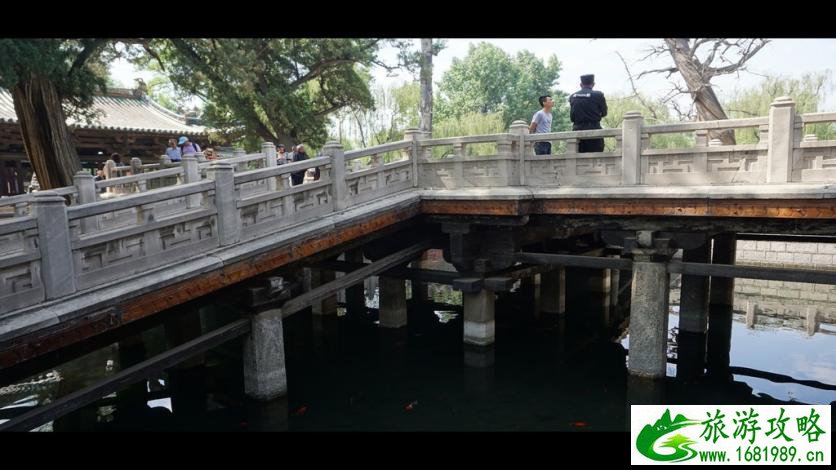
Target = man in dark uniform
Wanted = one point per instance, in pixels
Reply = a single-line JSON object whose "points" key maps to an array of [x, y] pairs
{"points": [[588, 106]]}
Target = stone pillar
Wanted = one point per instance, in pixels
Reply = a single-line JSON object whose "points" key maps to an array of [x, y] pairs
{"points": [[392, 302], [355, 298], [57, 272], [518, 131], [479, 326], [268, 149], [693, 303], [191, 174], [553, 291], [229, 216], [413, 134], [779, 159], [339, 189], [720, 319], [631, 142], [264, 365], [690, 355], [328, 305], [85, 184], [723, 252], [649, 308], [239, 152]]}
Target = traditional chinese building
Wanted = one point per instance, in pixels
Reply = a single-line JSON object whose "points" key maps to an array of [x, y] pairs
{"points": [[128, 122]]}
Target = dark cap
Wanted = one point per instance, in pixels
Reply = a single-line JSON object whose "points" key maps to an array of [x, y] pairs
{"points": [[280, 146], [587, 79]]}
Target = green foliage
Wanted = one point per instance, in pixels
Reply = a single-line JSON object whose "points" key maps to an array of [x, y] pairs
{"points": [[278, 89], [653, 111], [469, 124], [54, 59], [488, 80], [809, 93]]}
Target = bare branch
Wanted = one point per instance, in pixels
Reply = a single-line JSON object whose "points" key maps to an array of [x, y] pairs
{"points": [[669, 70], [635, 91]]}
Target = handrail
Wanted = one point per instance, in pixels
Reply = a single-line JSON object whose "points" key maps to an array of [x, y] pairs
{"points": [[377, 149], [140, 177], [264, 173], [111, 205]]}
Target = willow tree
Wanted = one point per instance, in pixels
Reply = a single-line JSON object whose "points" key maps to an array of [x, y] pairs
{"points": [[50, 79], [277, 89]]}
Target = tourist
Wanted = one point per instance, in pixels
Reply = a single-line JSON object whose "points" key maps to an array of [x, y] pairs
{"points": [[187, 147], [209, 153], [173, 151], [297, 177], [588, 106], [282, 155], [541, 123]]}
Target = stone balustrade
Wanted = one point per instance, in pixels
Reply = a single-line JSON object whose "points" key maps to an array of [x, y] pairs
{"points": [[50, 249]]}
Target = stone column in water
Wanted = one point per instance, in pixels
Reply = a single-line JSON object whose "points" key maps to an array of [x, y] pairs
{"points": [[693, 303], [355, 298], [721, 300], [264, 367], [479, 327], [553, 291], [649, 307], [392, 302]]}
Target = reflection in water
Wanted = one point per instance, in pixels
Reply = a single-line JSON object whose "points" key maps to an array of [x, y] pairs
{"points": [[545, 372]]}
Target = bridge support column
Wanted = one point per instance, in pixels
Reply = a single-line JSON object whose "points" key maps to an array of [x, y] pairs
{"points": [[723, 252], [355, 298], [264, 366], [392, 302], [721, 301], [553, 291], [693, 303], [479, 326], [649, 308]]}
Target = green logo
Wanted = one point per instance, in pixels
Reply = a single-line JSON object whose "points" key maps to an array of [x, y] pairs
{"points": [[680, 444]]}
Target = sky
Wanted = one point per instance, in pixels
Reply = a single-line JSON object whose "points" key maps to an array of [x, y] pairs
{"points": [[785, 57]]}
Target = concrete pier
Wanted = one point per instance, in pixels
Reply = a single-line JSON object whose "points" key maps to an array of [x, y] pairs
{"points": [[479, 325], [649, 310], [553, 291], [693, 303], [264, 366], [355, 298], [392, 302], [723, 252]]}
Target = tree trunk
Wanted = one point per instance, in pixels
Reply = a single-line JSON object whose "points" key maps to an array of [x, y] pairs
{"points": [[46, 138], [427, 85], [708, 106]]}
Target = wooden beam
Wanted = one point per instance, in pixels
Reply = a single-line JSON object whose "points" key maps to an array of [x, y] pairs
{"points": [[298, 303], [399, 272], [122, 379], [753, 272], [575, 260]]}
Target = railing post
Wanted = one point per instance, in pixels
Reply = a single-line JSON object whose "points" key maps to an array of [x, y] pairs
{"points": [[238, 152], [191, 174], [271, 159], [57, 271], [631, 148], [229, 217], [339, 188], [781, 133], [412, 134], [518, 130], [85, 185]]}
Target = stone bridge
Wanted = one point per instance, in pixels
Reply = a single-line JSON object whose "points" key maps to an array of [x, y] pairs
{"points": [[171, 233]]}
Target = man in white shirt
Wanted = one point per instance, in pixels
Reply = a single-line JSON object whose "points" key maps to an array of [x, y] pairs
{"points": [[541, 123]]}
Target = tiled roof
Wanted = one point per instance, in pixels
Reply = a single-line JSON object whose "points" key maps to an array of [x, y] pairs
{"points": [[121, 111]]}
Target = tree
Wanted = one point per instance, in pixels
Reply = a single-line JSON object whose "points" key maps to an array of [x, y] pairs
{"points": [[809, 93], [427, 85], [488, 80], [396, 108], [50, 79], [280, 89], [698, 65]]}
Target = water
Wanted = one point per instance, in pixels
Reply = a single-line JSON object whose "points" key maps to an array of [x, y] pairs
{"points": [[347, 374]]}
